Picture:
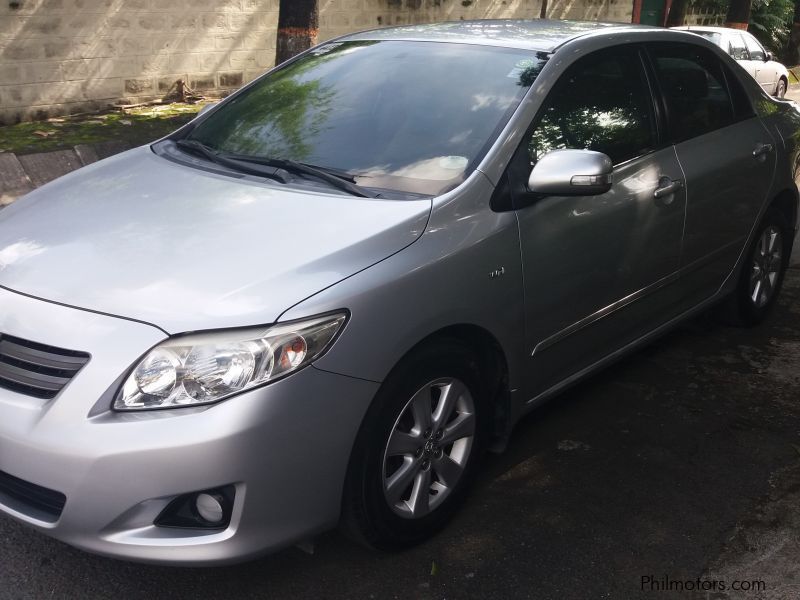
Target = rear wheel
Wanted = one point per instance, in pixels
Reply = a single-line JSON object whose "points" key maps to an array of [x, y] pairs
{"points": [[762, 273], [780, 90], [416, 450]]}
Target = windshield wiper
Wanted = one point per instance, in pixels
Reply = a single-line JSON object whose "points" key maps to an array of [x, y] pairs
{"points": [[273, 172], [334, 177]]}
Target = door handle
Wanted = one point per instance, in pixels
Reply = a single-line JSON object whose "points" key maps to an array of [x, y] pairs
{"points": [[762, 150], [667, 187]]}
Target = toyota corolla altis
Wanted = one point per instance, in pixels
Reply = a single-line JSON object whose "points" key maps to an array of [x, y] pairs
{"points": [[318, 302]]}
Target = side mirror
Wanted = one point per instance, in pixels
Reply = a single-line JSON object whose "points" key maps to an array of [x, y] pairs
{"points": [[768, 56], [571, 173], [205, 109]]}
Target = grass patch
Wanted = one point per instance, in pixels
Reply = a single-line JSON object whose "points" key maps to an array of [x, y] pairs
{"points": [[136, 126]]}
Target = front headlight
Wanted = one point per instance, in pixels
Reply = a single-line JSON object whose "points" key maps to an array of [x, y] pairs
{"points": [[208, 367]]}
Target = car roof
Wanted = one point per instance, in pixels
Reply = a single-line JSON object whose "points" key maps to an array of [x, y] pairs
{"points": [[709, 29], [540, 34]]}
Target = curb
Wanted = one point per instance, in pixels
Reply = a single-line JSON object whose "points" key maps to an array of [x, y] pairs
{"points": [[22, 174]]}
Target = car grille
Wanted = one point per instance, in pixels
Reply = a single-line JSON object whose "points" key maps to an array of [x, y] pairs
{"points": [[36, 369], [31, 499]]}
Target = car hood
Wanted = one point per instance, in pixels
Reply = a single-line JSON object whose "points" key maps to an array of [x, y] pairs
{"points": [[141, 237]]}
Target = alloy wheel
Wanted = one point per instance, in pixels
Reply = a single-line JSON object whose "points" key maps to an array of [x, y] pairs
{"points": [[766, 267], [428, 447]]}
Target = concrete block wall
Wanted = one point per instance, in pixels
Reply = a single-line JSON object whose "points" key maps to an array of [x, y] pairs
{"points": [[66, 56], [700, 13]]}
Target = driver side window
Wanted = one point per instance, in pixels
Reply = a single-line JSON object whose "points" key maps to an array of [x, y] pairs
{"points": [[601, 103]]}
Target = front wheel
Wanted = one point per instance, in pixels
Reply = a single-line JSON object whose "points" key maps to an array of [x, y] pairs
{"points": [[416, 450]]}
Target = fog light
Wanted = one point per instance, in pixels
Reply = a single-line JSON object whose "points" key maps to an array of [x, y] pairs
{"points": [[209, 507], [206, 509]]}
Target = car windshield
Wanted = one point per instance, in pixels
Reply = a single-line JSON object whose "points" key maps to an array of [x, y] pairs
{"points": [[712, 36], [408, 116]]}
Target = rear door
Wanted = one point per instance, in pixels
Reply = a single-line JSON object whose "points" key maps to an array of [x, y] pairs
{"points": [[727, 157]]}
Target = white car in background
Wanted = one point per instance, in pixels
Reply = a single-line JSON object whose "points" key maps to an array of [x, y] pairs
{"points": [[748, 52]]}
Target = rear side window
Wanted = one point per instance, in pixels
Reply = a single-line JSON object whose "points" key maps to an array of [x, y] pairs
{"points": [[695, 89], [737, 48], [601, 103]]}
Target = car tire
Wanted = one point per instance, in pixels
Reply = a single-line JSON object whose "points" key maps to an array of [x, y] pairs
{"points": [[414, 457], [762, 271], [780, 89]]}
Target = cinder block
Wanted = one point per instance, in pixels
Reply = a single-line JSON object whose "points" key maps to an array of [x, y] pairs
{"points": [[200, 82], [139, 86], [72, 70], [231, 80], [228, 41], [124, 66], [201, 42], [19, 50], [167, 43], [39, 72], [259, 40], [135, 45], [152, 22], [165, 84], [102, 89], [183, 22], [46, 166], [14, 182], [260, 5], [10, 73], [182, 62], [57, 49], [119, 22], [215, 22], [86, 153], [83, 24], [42, 25], [99, 47], [153, 65], [243, 59], [209, 61]]}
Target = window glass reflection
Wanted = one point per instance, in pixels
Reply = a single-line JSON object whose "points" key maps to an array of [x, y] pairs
{"points": [[602, 103], [409, 116]]}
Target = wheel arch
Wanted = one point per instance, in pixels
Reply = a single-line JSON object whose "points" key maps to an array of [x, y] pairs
{"points": [[492, 366]]}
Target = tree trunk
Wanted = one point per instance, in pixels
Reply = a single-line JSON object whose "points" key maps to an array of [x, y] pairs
{"points": [[792, 56], [677, 13], [298, 26], [738, 14], [543, 10]]}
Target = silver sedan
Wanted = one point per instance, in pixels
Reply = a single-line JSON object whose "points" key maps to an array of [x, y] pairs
{"points": [[319, 302]]}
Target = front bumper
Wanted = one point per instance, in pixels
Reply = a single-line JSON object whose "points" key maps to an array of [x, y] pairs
{"points": [[284, 447]]}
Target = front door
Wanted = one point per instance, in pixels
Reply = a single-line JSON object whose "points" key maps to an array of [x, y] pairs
{"points": [[598, 270], [764, 71]]}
